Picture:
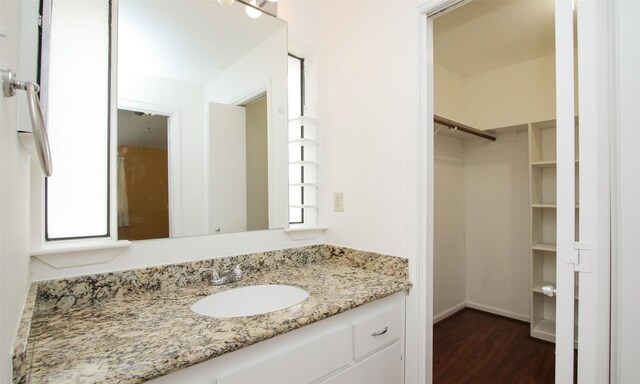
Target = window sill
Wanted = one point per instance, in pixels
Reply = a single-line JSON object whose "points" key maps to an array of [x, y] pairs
{"points": [[304, 233], [73, 254]]}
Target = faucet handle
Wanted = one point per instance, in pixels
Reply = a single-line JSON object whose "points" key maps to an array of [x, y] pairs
{"points": [[237, 271], [214, 274]]}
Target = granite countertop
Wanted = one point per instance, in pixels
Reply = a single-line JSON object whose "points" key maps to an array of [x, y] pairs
{"points": [[133, 326]]}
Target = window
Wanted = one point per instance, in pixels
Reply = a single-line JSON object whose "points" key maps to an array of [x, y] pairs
{"points": [[303, 166], [77, 195]]}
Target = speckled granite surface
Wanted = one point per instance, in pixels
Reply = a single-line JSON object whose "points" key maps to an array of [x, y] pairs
{"points": [[132, 326]]}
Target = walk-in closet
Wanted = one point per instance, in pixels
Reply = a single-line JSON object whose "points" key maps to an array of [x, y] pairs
{"points": [[495, 178]]}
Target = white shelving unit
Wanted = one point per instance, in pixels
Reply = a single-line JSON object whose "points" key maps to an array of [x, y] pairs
{"points": [[542, 181], [542, 171], [303, 172]]}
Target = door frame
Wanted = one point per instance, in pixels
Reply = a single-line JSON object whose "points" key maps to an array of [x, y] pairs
{"points": [[595, 290], [565, 304], [595, 56]]}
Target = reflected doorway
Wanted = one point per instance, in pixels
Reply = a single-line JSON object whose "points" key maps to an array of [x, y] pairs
{"points": [[143, 176], [238, 166], [257, 165]]}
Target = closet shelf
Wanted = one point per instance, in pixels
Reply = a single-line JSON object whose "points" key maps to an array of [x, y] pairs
{"points": [[544, 257], [542, 205], [543, 164], [547, 164], [544, 247], [538, 287], [545, 330]]}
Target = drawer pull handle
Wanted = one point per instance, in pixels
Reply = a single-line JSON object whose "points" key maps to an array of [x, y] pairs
{"points": [[380, 333]]}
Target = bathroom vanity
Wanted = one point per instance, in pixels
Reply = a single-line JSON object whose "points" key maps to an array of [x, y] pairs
{"points": [[362, 345], [135, 326]]}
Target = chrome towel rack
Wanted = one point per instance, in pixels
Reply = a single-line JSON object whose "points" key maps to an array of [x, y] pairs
{"points": [[9, 86]]}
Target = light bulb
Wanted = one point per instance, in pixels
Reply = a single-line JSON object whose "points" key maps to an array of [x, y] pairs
{"points": [[226, 3], [252, 12]]}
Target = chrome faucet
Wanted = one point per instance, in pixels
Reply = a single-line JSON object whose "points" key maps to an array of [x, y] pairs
{"points": [[228, 277]]}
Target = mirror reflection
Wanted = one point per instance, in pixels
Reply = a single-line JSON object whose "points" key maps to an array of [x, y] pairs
{"points": [[143, 176], [201, 119]]}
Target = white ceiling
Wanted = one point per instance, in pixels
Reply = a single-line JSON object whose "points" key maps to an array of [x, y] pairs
{"points": [[485, 35], [187, 40]]}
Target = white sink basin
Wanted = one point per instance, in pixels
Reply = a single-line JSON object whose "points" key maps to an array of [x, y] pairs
{"points": [[249, 301]]}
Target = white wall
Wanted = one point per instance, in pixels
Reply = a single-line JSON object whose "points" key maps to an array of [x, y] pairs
{"points": [[626, 241], [498, 260], [449, 264], [187, 99], [363, 111], [449, 95], [481, 225], [496, 179], [365, 56], [14, 177], [252, 73], [517, 94], [512, 95]]}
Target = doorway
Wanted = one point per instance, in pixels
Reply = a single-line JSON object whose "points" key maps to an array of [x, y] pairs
{"points": [[239, 165], [494, 216], [593, 249], [142, 175]]}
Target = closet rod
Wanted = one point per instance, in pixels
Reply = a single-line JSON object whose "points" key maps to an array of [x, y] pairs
{"points": [[463, 128]]}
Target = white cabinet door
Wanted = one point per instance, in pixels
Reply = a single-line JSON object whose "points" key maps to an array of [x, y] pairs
{"points": [[384, 367], [299, 365]]}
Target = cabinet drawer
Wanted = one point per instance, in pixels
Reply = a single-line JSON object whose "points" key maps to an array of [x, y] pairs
{"points": [[377, 331]]}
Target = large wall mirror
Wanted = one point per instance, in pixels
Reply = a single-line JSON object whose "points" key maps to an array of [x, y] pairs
{"points": [[209, 83], [198, 115]]}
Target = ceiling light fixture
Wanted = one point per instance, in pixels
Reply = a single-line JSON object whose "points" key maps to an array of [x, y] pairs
{"points": [[254, 12], [253, 8]]}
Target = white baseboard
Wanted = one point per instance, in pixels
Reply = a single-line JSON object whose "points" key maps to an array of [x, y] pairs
{"points": [[498, 311], [448, 312]]}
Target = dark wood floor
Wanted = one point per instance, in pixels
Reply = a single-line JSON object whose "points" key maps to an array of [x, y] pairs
{"points": [[476, 347]]}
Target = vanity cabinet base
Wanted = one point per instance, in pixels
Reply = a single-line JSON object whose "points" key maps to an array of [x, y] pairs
{"points": [[362, 345]]}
